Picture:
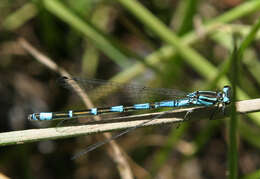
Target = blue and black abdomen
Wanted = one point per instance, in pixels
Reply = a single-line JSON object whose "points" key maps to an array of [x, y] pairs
{"points": [[113, 109], [197, 98]]}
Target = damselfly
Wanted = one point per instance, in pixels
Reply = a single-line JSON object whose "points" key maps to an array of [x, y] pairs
{"points": [[197, 98]]}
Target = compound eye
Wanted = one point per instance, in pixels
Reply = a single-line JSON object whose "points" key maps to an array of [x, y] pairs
{"points": [[227, 91], [227, 94]]}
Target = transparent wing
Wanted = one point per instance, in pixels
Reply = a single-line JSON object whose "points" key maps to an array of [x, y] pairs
{"points": [[128, 93], [114, 137], [121, 94]]}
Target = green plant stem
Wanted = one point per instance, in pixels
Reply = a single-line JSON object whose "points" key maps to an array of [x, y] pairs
{"points": [[160, 29], [250, 37], [199, 63], [232, 147], [100, 41], [165, 52]]}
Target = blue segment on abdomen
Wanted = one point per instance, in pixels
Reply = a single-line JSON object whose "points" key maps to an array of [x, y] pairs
{"points": [[70, 113], [93, 111], [117, 108], [183, 102], [34, 117], [45, 116], [165, 104], [142, 106]]}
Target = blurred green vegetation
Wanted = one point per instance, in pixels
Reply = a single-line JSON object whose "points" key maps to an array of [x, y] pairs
{"points": [[185, 45]]}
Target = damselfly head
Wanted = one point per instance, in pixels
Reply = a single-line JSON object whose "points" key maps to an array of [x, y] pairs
{"points": [[226, 94]]}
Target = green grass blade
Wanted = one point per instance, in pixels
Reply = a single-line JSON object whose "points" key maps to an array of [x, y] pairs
{"points": [[232, 147], [100, 41], [254, 175], [199, 64], [160, 29], [245, 44], [20, 17]]}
